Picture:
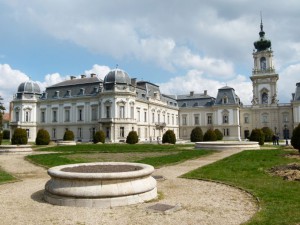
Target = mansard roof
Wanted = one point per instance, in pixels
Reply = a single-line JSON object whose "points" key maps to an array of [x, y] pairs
{"points": [[77, 81], [227, 96]]}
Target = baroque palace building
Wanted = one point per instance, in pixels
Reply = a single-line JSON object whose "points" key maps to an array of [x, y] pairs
{"points": [[119, 104]]}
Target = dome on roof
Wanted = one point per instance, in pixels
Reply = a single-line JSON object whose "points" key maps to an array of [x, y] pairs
{"points": [[29, 87], [117, 76]]}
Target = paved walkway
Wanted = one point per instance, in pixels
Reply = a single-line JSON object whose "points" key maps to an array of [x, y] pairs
{"points": [[201, 202]]}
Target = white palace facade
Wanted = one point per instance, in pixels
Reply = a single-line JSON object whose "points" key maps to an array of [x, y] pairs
{"points": [[119, 104]]}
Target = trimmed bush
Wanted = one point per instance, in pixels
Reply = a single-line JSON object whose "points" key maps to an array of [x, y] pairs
{"points": [[132, 138], [42, 137], [6, 134], [19, 137], [268, 133], [295, 140], [69, 135], [218, 134], [1, 136], [209, 135], [257, 135], [196, 134], [99, 136], [169, 137]]}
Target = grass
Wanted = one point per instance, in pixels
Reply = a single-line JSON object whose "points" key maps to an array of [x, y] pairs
{"points": [[279, 199], [5, 177], [92, 153]]}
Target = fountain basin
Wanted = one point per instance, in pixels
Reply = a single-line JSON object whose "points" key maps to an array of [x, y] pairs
{"points": [[101, 185], [15, 148], [227, 145]]}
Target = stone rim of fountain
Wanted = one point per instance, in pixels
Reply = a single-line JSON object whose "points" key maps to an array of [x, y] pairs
{"points": [[226, 145]]}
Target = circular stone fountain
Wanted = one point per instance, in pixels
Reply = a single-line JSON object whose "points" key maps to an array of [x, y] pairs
{"points": [[100, 185], [227, 145]]}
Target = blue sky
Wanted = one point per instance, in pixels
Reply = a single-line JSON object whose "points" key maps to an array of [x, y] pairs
{"points": [[181, 45]]}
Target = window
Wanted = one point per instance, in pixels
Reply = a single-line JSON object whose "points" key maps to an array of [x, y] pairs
{"points": [[67, 115], [27, 116], [246, 118], [43, 117], [158, 117], [285, 118], [172, 119], [80, 114], [17, 116], [54, 116], [164, 118], [146, 132], [153, 118], [176, 120], [79, 133], [122, 112], [264, 118], [225, 118], [209, 119], [184, 120], [226, 132], [94, 113], [107, 111], [145, 116], [168, 120], [122, 132], [138, 115], [53, 133], [132, 112], [263, 63], [264, 98], [28, 133], [196, 119]]}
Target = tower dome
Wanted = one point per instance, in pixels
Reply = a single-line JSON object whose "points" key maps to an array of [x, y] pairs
{"points": [[117, 76], [29, 87], [262, 43]]}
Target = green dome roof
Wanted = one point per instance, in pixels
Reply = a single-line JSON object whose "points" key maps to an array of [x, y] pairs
{"points": [[262, 43]]}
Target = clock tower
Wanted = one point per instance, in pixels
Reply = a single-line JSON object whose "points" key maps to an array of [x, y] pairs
{"points": [[264, 78]]}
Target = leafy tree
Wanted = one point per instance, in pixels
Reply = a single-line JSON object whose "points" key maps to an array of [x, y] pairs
{"points": [[196, 134], [218, 134], [132, 137], [295, 140], [6, 134], [209, 135], [268, 133], [99, 136], [69, 135], [42, 137], [19, 137], [257, 135], [169, 137]]}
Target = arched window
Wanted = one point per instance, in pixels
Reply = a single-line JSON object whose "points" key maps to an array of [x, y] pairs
{"points": [[264, 98], [263, 63]]}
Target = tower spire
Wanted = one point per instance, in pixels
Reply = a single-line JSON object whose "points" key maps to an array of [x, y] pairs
{"points": [[261, 23]]}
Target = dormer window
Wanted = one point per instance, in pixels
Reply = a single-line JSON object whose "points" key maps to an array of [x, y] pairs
{"points": [[56, 94], [81, 91], [225, 100]]}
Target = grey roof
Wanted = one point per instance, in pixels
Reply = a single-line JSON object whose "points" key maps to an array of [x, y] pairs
{"points": [[195, 100], [29, 87], [297, 93], [230, 95], [117, 76], [77, 81]]}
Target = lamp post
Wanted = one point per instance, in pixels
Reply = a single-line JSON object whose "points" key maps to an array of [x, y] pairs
{"points": [[285, 134]]}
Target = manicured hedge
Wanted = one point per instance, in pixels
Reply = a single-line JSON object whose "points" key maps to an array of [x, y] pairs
{"points": [[169, 137], [99, 136], [19, 137], [132, 138], [42, 137], [196, 134]]}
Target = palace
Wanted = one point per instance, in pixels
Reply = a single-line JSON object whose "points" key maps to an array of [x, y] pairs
{"points": [[119, 104]]}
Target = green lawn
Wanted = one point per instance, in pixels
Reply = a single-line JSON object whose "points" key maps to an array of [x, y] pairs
{"points": [[166, 154], [279, 199], [5, 177]]}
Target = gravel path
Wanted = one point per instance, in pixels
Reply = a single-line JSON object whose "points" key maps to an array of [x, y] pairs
{"points": [[201, 202]]}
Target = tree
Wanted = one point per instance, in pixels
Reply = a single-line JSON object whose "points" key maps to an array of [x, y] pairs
{"points": [[132, 137], [209, 135], [19, 137], [196, 134], [218, 134], [257, 135], [99, 136], [268, 133], [42, 137], [295, 140], [69, 135], [169, 137]]}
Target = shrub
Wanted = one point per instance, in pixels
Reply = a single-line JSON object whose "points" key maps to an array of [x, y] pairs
{"points": [[42, 137], [196, 134], [19, 137], [268, 133], [99, 136], [69, 135], [1, 136], [132, 138], [169, 137], [6, 134], [295, 140], [209, 135], [257, 135], [218, 134]]}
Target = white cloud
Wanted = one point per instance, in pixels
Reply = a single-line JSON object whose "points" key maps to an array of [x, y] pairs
{"points": [[9, 82], [287, 82], [99, 70]]}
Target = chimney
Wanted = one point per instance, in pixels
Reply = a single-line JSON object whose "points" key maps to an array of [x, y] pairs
{"points": [[133, 81], [191, 93], [293, 96], [83, 76], [93, 75], [205, 92], [72, 77]]}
